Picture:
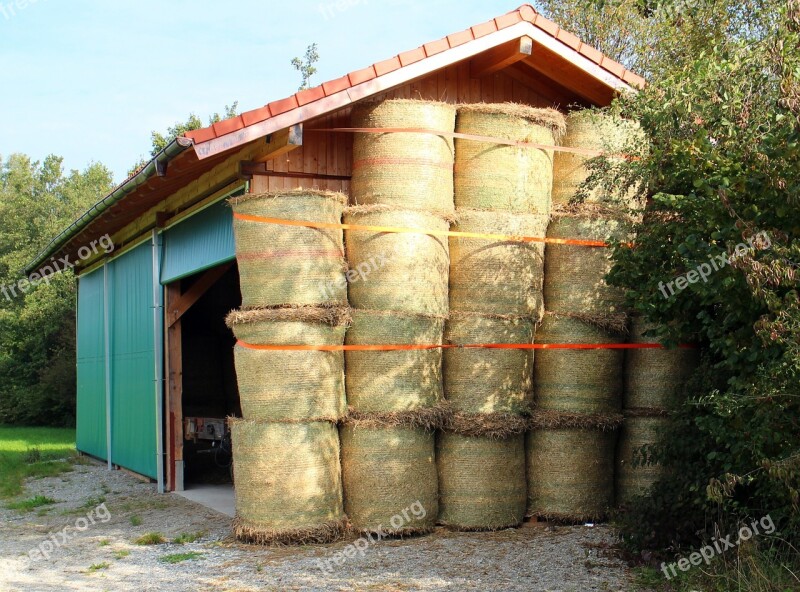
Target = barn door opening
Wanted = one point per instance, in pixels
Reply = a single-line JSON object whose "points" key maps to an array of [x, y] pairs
{"points": [[201, 379]]}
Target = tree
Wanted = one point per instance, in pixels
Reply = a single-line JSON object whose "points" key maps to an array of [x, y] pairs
{"points": [[159, 140], [37, 325], [653, 37], [306, 65]]}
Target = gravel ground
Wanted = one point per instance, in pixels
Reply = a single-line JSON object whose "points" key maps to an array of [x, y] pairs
{"points": [[104, 556]]}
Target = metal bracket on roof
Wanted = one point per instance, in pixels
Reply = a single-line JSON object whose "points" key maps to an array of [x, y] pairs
{"points": [[162, 218], [161, 167]]}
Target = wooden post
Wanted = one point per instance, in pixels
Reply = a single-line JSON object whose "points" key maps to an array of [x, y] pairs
{"points": [[174, 406]]}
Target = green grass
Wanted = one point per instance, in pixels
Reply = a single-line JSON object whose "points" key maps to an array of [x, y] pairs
{"points": [[121, 554], [30, 504], [151, 538], [99, 566], [104, 543], [188, 537], [178, 557], [92, 503], [136, 520], [33, 452]]}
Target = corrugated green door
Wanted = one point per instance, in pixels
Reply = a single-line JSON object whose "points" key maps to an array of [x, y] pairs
{"points": [[133, 410], [198, 243], [91, 405]]}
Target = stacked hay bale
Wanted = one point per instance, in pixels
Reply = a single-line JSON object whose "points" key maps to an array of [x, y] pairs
{"points": [[495, 297], [286, 447], [395, 397], [654, 380], [570, 450]]}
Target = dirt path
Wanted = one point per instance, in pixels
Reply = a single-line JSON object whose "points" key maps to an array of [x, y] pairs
{"points": [[103, 556]]}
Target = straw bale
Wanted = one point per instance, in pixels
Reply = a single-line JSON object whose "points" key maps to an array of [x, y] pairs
{"points": [[288, 483], [280, 265]]}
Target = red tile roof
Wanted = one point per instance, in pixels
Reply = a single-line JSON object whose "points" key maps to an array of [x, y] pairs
{"points": [[524, 13]]}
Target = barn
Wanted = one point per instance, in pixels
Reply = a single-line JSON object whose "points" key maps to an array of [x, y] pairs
{"points": [[155, 363]]}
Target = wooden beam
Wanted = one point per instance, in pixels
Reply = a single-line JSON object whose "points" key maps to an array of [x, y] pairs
{"points": [[549, 89], [501, 57], [179, 307], [566, 74], [174, 394], [249, 169], [209, 183], [282, 142]]}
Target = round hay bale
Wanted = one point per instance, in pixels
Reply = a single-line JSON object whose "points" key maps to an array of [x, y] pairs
{"points": [[596, 131], [404, 169], [483, 380], [481, 481], [655, 377], [280, 265], [574, 275], [497, 276], [288, 386], [501, 177], [387, 470], [570, 474], [393, 381], [635, 474], [587, 381], [288, 483], [410, 271]]}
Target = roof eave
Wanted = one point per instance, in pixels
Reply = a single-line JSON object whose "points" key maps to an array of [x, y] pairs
{"points": [[167, 154], [343, 98]]}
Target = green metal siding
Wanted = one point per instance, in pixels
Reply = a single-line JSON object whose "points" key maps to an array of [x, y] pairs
{"points": [[91, 405], [201, 242], [133, 410]]}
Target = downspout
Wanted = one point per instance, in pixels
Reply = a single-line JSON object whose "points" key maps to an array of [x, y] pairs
{"points": [[158, 355], [108, 366]]}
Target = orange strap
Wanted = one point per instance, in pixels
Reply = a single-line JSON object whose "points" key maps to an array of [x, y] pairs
{"points": [[408, 347], [472, 137], [506, 237]]}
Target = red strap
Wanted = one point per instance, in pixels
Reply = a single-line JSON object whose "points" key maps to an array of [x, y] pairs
{"points": [[395, 229], [474, 138], [409, 347]]}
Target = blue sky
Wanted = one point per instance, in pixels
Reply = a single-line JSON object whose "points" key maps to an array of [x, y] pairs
{"points": [[88, 80]]}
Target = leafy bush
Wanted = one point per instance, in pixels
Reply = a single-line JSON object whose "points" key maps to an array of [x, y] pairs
{"points": [[723, 170]]}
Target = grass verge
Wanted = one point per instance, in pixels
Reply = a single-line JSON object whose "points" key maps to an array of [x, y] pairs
{"points": [[30, 504], [33, 452]]}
